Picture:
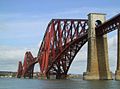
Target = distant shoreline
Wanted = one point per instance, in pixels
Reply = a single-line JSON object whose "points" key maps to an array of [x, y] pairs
{"points": [[11, 74]]}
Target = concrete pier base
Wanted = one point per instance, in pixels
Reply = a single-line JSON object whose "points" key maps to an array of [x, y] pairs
{"points": [[93, 76], [117, 75]]}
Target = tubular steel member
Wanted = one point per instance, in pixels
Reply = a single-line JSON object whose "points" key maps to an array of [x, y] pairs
{"points": [[20, 70], [28, 65], [62, 41]]}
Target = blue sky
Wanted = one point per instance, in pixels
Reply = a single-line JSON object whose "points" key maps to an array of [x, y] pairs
{"points": [[23, 23]]}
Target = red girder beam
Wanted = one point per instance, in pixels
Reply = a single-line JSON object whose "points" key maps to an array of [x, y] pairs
{"points": [[62, 40], [62, 35], [20, 69], [59, 34], [28, 65]]}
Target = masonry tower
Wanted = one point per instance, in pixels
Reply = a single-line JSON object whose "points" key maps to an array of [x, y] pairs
{"points": [[97, 61]]}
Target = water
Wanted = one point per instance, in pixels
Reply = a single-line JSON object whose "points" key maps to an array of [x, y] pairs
{"points": [[6, 83]]}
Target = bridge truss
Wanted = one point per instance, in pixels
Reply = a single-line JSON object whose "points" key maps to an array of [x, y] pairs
{"points": [[62, 41]]}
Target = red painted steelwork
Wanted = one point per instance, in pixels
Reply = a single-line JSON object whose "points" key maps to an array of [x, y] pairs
{"points": [[20, 70], [62, 41], [59, 36], [28, 65]]}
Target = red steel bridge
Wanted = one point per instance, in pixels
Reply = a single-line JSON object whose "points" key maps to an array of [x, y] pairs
{"points": [[62, 41]]}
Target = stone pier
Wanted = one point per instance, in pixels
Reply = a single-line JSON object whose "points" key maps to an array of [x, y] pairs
{"points": [[117, 73], [97, 62]]}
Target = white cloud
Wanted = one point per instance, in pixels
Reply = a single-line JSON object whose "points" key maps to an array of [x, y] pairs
{"points": [[10, 53], [39, 44], [9, 56]]}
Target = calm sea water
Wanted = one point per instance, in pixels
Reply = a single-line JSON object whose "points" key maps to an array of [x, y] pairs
{"points": [[6, 83]]}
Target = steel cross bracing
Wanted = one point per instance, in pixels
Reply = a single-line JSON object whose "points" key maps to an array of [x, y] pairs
{"points": [[62, 40], [20, 69], [28, 65]]}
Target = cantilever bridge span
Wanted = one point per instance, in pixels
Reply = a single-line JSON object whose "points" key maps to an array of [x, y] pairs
{"points": [[62, 41]]}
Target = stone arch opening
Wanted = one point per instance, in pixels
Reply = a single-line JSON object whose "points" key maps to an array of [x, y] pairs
{"points": [[98, 23]]}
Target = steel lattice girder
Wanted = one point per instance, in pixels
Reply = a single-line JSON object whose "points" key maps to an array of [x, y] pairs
{"points": [[57, 51], [59, 35], [28, 65], [20, 70], [62, 40]]}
